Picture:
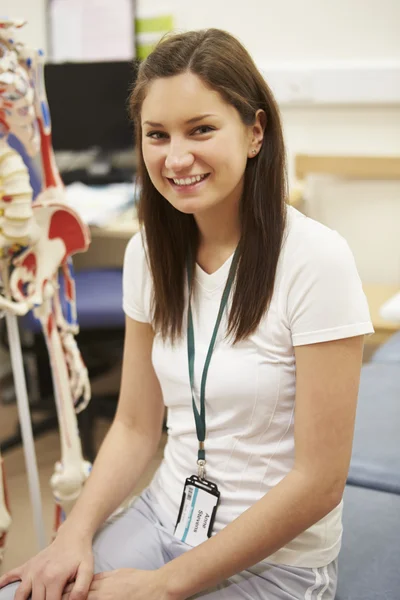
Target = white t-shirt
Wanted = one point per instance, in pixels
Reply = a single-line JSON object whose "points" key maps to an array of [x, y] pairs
{"points": [[250, 392]]}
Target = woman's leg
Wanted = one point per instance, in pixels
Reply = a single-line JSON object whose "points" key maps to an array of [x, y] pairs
{"points": [[277, 582], [131, 540], [8, 592]]}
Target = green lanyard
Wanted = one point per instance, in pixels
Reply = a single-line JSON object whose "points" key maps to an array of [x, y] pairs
{"points": [[200, 418]]}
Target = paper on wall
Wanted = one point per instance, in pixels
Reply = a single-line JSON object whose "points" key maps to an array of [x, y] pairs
{"points": [[92, 30]]}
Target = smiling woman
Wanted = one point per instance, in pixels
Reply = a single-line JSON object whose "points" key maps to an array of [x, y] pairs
{"points": [[196, 116], [246, 320]]}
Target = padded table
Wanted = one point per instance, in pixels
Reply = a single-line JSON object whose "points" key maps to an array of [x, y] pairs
{"points": [[369, 563], [375, 461]]}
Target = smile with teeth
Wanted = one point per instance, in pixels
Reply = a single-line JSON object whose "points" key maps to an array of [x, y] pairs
{"points": [[190, 180]]}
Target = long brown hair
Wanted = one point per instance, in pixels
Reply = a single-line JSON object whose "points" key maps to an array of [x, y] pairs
{"points": [[224, 65]]}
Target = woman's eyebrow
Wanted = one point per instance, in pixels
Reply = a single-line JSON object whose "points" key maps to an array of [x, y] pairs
{"points": [[189, 122]]}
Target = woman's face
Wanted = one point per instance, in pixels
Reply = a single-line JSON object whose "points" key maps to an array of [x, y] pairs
{"points": [[195, 146]]}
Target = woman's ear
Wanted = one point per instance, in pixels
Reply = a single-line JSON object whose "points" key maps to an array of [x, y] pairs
{"points": [[257, 133]]}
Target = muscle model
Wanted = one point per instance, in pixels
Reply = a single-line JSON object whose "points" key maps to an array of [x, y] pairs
{"points": [[37, 241]]}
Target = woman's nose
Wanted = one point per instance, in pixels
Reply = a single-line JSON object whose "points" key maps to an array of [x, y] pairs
{"points": [[178, 159]]}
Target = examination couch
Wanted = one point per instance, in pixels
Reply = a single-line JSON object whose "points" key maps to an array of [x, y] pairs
{"points": [[369, 561]]}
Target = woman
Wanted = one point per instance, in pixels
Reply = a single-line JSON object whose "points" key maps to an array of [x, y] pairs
{"points": [[246, 319]]}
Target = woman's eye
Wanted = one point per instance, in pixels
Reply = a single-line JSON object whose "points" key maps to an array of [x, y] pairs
{"points": [[160, 135], [156, 135], [203, 129]]}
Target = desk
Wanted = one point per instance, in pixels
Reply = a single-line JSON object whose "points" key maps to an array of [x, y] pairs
{"points": [[378, 295], [391, 309], [108, 243], [123, 227]]}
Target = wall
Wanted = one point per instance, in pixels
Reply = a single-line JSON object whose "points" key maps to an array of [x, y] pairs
{"points": [[293, 30], [290, 30]]}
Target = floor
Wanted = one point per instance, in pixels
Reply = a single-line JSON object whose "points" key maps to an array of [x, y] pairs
{"points": [[21, 542]]}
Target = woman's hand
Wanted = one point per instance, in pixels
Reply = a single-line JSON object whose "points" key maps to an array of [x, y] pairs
{"points": [[68, 558], [126, 584]]}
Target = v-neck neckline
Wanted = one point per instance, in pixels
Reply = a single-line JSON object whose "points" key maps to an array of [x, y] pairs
{"points": [[215, 280]]}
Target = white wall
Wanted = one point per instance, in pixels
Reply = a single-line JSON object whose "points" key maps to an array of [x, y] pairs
{"points": [[289, 30], [341, 130], [296, 30]]}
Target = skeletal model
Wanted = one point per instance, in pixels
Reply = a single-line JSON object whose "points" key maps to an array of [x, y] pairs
{"points": [[37, 239]]}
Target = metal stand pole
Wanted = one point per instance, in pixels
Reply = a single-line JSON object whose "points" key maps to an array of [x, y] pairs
{"points": [[26, 427]]}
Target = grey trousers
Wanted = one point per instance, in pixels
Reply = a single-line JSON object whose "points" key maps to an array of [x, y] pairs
{"points": [[141, 538]]}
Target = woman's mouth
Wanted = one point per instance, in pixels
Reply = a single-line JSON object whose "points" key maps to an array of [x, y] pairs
{"points": [[188, 184]]}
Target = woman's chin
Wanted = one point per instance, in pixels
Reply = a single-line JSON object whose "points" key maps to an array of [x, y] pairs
{"points": [[188, 206]]}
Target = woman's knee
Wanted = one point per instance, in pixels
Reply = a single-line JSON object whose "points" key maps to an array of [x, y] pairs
{"points": [[8, 592]]}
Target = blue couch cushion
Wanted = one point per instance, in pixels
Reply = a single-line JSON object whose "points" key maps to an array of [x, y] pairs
{"points": [[389, 351], [369, 558], [98, 301], [375, 461]]}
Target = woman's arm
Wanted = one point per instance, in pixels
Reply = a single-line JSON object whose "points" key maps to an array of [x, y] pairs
{"points": [[132, 440], [327, 381]]}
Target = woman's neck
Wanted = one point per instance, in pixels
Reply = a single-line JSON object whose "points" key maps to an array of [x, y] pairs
{"points": [[219, 234]]}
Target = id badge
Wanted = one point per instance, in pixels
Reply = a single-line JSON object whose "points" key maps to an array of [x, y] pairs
{"points": [[197, 511]]}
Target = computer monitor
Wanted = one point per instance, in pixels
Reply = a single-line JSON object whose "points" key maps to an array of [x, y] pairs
{"points": [[88, 105]]}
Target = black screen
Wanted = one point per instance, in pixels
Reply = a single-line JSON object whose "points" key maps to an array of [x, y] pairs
{"points": [[89, 104]]}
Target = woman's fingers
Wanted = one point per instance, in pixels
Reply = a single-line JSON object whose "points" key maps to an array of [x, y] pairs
{"points": [[103, 575], [82, 585], [24, 590], [39, 591], [79, 589], [68, 588], [10, 577], [54, 591]]}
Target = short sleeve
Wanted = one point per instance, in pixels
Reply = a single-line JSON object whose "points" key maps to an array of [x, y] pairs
{"points": [[136, 281], [325, 298]]}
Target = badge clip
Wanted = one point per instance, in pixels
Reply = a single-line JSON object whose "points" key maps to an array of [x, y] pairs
{"points": [[201, 471]]}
